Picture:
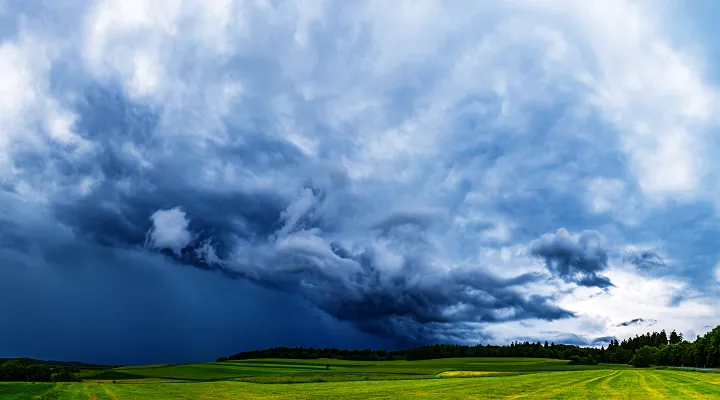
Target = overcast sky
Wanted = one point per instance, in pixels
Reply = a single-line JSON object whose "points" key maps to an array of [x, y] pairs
{"points": [[181, 180]]}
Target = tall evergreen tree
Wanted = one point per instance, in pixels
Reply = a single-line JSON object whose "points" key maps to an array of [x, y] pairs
{"points": [[675, 338]]}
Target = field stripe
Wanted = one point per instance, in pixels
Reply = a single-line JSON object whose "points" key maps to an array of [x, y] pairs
{"points": [[690, 386], [548, 385], [654, 390], [711, 378], [580, 386], [603, 387]]}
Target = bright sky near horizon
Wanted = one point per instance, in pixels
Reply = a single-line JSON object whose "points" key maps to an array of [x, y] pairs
{"points": [[184, 179]]}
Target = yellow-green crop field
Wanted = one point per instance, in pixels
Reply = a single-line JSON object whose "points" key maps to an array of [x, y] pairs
{"points": [[471, 378]]}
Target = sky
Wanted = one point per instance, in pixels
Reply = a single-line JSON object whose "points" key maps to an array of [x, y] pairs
{"points": [[186, 179]]}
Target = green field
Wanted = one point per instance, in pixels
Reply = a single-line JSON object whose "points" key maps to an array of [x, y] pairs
{"points": [[475, 378]]}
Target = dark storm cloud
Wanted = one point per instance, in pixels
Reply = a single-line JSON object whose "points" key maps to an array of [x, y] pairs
{"points": [[579, 259], [396, 295], [383, 278], [69, 298], [638, 322], [113, 213], [411, 301]]}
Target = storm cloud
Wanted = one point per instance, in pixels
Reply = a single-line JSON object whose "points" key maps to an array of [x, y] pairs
{"points": [[384, 278], [372, 173], [574, 258], [394, 295], [384, 284], [125, 304]]}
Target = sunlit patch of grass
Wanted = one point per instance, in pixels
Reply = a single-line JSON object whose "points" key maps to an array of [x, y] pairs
{"points": [[470, 374]]}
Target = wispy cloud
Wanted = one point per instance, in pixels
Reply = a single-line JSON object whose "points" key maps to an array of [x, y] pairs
{"points": [[637, 322]]}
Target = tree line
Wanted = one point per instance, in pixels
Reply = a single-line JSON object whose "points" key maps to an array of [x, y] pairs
{"points": [[25, 370], [652, 348]]}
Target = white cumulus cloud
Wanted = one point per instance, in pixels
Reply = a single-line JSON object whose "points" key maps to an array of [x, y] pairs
{"points": [[169, 230]]}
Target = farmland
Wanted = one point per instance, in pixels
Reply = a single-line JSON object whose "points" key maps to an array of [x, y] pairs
{"points": [[486, 378]]}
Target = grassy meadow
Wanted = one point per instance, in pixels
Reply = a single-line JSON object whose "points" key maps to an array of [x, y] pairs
{"points": [[478, 378]]}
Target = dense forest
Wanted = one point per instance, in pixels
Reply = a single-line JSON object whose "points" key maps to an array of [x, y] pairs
{"points": [[656, 348]]}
